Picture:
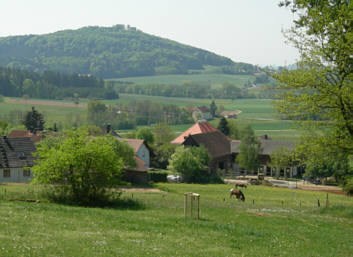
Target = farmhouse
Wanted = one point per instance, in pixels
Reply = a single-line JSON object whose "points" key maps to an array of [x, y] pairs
{"points": [[16, 159], [200, 127], [217, 145], [268, 146], [18, 133], [201, 113]]}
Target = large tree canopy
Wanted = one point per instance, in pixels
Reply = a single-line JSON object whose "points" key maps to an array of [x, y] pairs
{"points": [[84, 165], [322, 85]]}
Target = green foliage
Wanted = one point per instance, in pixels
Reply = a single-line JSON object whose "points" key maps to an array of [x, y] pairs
{"points": [[190, 89], [34, 120], [96, 113], [322, 85], [234, 132], [145, 134], [281, 158], [213, 109], [348, 186], [2, 98], [158, 176], [191, 162], [110, 52], [82, 167], [162, 154], [163, 133], [4, 127], [53, 85], [223, 126], [248, 158]]}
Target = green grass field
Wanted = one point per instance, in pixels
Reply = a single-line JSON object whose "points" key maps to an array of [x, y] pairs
{"points": [[213, 79], [261, 226], [260, 114]]}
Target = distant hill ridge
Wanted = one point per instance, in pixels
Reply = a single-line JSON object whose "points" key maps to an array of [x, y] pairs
{"points": [[111, 52]]}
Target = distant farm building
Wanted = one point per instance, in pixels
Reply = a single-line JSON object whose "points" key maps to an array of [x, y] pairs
{"points": [[16, 159]]}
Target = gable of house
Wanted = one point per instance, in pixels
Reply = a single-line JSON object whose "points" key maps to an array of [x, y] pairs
{"points": [[140, 149], [200, 127]]}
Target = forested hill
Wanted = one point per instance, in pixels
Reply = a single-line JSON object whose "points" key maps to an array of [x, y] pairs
{"points": [[110, 52]]}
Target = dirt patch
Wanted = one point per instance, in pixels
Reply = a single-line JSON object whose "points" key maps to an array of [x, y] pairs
{"points": [[47, 103]]}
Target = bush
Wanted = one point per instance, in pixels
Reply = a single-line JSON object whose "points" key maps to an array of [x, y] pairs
{"points": [[158, 176], [348, 186]]}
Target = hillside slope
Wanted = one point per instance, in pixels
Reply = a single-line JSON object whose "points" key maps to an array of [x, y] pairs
{"points": [[110, 52]]}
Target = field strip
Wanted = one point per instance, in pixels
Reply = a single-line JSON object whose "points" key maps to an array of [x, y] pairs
{"points": [[48, 103]]}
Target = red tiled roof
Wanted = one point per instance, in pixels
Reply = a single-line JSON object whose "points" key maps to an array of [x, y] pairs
{"points": [[134, 143], [200, 127], [25, 133]]}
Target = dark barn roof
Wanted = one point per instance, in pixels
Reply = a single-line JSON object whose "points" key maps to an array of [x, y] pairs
{"points": [[16, 152], [216, 143]]}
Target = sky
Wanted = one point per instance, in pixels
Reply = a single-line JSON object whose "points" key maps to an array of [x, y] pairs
{"points": [[243, 30]]}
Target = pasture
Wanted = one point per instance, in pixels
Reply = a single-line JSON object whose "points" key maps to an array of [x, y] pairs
{"points": [[271, 222], [213, 79], [260, 114]]}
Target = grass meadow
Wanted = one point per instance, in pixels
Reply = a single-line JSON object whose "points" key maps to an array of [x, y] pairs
{"points": [[213, 79], [260, 114], [271, 222]]}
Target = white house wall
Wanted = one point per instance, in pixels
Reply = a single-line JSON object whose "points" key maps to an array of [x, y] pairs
{"points": [[16, 175]]}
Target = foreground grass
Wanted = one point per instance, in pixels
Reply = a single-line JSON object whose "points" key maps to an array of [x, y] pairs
{"points": [[274, 224]]}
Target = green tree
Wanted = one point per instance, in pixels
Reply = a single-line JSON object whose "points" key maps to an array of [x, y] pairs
{"points": [[85, 166], [4, 127], [96, 113], [234, 132], [163, 133], [223, 126], [34, 120], [323, 82], [191, 162], [213, 109], [281, 158], [248, 158], [145, 134]]}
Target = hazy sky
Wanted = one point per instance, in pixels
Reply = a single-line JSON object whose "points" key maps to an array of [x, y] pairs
{"points": [[243, 30]]}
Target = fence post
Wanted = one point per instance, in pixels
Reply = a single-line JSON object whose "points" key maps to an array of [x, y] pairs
{"points": [[326, 200], [318, 202]]}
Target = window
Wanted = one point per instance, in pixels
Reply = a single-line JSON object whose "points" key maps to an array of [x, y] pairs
{"points": [[21, 155], [26, 172], [7, 173]]}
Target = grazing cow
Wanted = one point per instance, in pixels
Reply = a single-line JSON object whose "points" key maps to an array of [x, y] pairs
{"points": [[240, 185], [239, 194]]}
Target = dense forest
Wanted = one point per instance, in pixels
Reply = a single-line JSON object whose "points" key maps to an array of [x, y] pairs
{"points": [[110, 52], [52, 85]]}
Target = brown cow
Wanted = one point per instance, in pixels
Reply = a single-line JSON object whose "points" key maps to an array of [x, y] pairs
{"points": [[239, 194]]}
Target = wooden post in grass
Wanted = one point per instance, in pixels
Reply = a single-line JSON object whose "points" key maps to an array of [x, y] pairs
{"points": [[318, 202], [326, 200], [185, 204], [192, 197]]}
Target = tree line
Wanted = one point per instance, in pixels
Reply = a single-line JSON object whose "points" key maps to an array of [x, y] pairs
{"points": [[136, 113], [187, 89], [52, 85]]}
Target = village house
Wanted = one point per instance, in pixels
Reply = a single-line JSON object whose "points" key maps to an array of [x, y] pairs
{"points": [[200, 127], [201, 113], [16, 159], [139, 173], [229, 114], [218, 147], [268, 146], [20, 133]]}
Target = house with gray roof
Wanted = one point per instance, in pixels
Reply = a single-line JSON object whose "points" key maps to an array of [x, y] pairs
{"points": [[16, 159], [268, 146]]}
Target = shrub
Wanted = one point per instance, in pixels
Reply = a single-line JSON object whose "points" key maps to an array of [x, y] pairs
{"points": [[158, 176]]}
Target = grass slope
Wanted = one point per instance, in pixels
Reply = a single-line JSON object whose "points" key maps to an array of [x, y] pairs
{"points": [[227, 227], [213, 79]]}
